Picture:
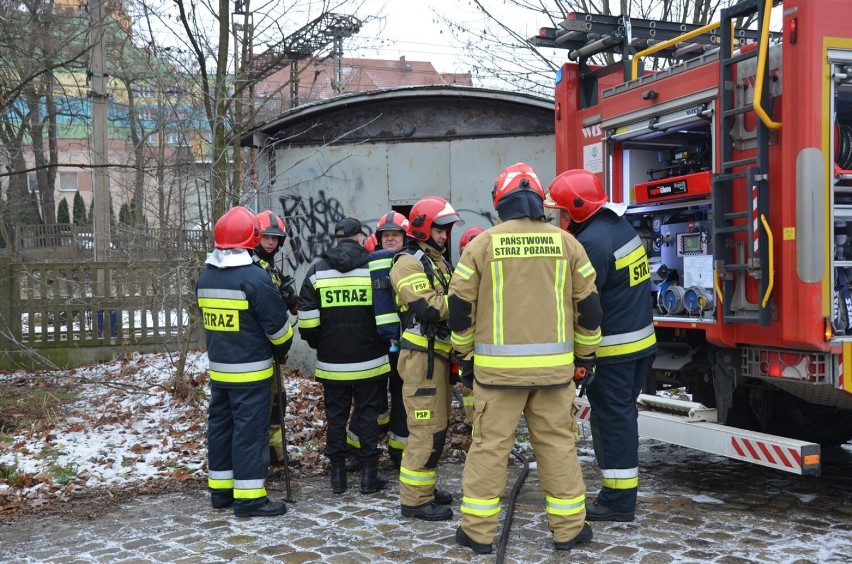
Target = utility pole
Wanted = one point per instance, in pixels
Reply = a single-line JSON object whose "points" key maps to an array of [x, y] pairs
{"points": [[99, 101]]}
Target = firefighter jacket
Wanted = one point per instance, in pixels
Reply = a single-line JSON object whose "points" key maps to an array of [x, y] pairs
{"points": [[420, 277], [246, 322], [336, 317], [624, 284], [384, 305], [523, 300]]}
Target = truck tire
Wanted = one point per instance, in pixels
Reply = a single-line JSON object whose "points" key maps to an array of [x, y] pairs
{"points": [[795, 418]]}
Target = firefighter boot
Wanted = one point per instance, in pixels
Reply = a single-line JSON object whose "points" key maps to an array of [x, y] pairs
{"points": [[371, 480], [463, 540], [428, 512], [585, 535], [338, 477], [598, 512]]}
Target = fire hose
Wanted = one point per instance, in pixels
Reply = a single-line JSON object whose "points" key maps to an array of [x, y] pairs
{"points": [[510, 506]]}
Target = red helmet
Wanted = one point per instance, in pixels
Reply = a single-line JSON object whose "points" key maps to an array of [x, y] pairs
{"points": [[519, 176], [237, 229], [429, 212], [271, 224], [578, 192], [468, 236], [370, 243], [392, 221]]}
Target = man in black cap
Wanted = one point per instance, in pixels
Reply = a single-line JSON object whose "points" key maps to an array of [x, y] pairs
{"points": [[336, 319]]}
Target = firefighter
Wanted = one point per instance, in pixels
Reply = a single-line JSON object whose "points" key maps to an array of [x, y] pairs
{"points": [[623, 281], [336, 319], [420, 277], [467, 393], [247, 330], [524, 313], [273, 234]]}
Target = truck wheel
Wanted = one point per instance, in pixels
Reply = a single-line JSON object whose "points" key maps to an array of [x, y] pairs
{"points": [[795, 418]]}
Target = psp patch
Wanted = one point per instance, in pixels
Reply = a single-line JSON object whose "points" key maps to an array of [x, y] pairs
{"points": [[422, 414]]}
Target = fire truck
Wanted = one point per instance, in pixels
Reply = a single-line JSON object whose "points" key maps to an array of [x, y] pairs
{"points": [[734, 159]]}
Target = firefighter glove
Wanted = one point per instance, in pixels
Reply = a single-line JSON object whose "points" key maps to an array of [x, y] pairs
{"points": [[466, 372], [288, 292], [584, 373]]}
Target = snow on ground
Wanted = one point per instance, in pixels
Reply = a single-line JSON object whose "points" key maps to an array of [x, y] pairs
{"points": [[131, 423]]}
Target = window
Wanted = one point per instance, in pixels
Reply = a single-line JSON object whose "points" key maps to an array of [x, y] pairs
{"points": [[32, 182], [152, 139], [144, 91], [67, 181], [175, 138]]}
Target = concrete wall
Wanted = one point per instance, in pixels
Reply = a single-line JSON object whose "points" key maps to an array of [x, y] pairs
{"points": [[373, 153]]}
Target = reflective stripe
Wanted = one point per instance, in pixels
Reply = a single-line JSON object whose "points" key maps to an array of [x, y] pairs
{"points": [[627, 343], [249, 484], [497, 301], [328, 275], [241, 372], [630, 252], [244, 493], [588, 340], [467, 401], [461, 340], [384, 418], [381, 264], [353, 370], [276, 438], [221, 474], [523, 349], [419, 479], [387, 318], [414, 337], [480, 507], [551, 361], [214, 293], [282, 335], [620, 478], [559, 506], [586, 270], [309, 318], [561, 268], [214, 484], [210, 303], [395, 441], [352, 439], [418, 281], [463, 272]]}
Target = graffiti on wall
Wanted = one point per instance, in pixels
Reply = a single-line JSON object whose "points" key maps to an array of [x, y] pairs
{"points": [[310, 224]]}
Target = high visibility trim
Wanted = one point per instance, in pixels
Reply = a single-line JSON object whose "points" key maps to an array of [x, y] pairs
{"points": [[629, 253], [560, 506], [282, 335], [423, 342], [348, 282], [461, 340], [588, 340], [328, 275], [309, 314], [249, 493], [550, 361], [218, 293], [352, 439], [381, 264], [524, 349], [467, 401], [561, 268], [353, 370], [384, 418], [249, 484], [395, 441], [620, 478], [497, 301], [215, 303], [223, 484], [241, 372], [416, 478], [221, 474], [418, 281], [308, 323], [480, 507], [463, 272], [586, 270], [627, 343], [387, 318], [276, 438]]}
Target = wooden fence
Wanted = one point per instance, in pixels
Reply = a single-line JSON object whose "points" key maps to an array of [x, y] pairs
{"points": [[69, 313]]}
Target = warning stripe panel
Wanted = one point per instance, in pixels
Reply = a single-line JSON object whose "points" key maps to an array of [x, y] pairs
{"points": [[759, 451]]}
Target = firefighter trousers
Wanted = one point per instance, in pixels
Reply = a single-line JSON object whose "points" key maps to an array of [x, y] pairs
{"points": [[398, 427], [427, 405], [551, 418], [338, 405], [615, 430], [237, 443]]}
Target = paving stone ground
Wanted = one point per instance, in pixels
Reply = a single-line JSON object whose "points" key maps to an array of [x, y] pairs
{"points": [[693, 507]]}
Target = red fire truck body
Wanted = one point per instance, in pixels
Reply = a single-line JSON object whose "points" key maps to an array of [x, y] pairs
{"points": [[734, 166]]}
